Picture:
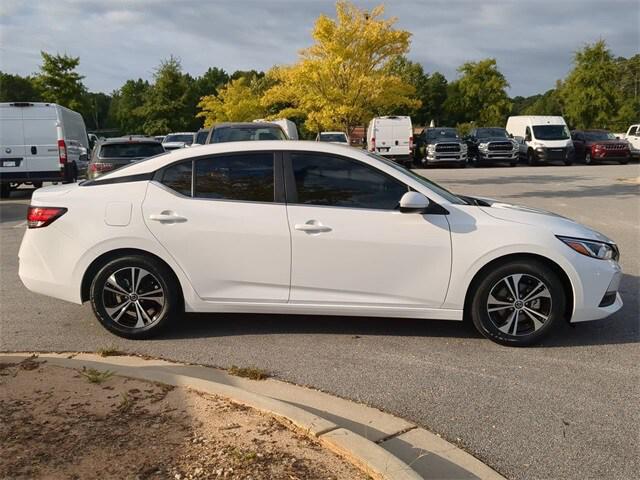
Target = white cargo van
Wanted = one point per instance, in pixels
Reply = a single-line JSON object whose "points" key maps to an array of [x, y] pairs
{"points": [[392, 137], [40, 142], [542, 139]]}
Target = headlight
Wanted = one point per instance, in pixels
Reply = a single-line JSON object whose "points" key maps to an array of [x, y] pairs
{"points": [[593, 248], [515, 144], [463, 147], [431, 148], [483, 146]]}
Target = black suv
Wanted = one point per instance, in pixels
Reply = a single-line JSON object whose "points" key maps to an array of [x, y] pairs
{"points": [[491, 144], [245, 131], [114, 153], [440, 145]]}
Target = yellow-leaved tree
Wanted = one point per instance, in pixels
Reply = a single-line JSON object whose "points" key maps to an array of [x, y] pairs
{"points": [[237, 101], [342, 80]]}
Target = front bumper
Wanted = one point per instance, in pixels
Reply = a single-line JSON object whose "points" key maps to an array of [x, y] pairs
{"points": [[489, 156], [598, 296], [562, 154], [436, 157]]}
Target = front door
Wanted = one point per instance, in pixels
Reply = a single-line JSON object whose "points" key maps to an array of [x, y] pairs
{"points": [[351, 244], [224, 229]]}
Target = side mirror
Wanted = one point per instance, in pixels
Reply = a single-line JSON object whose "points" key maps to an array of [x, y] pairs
{"points": [[413, 202]]}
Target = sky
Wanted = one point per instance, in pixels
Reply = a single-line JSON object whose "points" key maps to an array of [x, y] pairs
{"points": [[533, 41]]}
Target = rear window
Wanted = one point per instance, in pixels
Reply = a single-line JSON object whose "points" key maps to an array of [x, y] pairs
{"points": [[130, 150], [186, 138], [248, 133], [333, 137]]}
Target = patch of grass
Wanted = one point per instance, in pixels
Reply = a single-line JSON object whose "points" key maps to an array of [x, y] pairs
{"points": [[253, 373], [109, 352], [125, 403], [96, 376]]}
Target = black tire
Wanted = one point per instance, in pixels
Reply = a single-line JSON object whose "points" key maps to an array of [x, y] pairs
{"points": [[587, 159], [531, 158], [525, 330], [568, 163], [37, 184], [159, 314], [5, 190]]}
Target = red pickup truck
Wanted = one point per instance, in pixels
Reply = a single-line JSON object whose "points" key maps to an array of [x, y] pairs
{"points": [[598, 145]]}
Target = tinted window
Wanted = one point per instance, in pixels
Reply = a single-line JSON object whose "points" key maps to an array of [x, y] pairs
{"points": [[633, 131], [179, 137], [492, 132], [201, 137], [178, 178], [448, 133], [247, 133], [333, 137], [340, 182], [130, 150], [595, 136], [236, 177]]}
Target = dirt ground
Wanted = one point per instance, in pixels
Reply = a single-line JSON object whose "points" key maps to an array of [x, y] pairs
{"points": [[55, 423]]}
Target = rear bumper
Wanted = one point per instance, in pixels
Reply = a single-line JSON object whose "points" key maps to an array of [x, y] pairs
{"points": [[22, 177]]}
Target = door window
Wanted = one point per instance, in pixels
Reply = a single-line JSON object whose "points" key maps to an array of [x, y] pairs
{"points": [[633, 131], [246, 177], [341, 182], [527, 135], [178, 178]]}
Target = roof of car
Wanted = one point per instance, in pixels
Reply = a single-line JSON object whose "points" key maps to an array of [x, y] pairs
{"points": [[129, 139], [255, 125]]}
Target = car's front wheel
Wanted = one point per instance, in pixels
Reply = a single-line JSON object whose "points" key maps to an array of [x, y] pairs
{"points": [[518, 303], [135, 296]]}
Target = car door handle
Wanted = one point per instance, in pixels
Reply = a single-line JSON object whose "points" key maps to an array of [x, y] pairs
{"points": [[167, 217], [312, 227]]}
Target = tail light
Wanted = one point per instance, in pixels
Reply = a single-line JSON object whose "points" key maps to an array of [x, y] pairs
{"points": [[410, 143], [38, 217], [62, 152], [373, 143], [99, 167]]}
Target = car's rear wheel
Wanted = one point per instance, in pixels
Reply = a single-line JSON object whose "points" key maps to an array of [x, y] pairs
{"points": [[135, 296], [518, 303]]}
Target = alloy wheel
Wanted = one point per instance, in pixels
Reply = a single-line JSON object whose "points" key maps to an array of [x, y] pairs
{"points": [[133, 297], [519, 304]]}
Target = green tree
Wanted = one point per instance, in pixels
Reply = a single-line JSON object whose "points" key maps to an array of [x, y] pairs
{"points": [[127, 106], [343, 79], [479, 95], [96, 110], [166, 107], [589, 94], [59, 82], [14, 88], [548, 103], [238, 101], [628, 87]]}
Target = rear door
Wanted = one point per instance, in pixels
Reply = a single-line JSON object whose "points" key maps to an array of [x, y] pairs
{"points": [[401, 138], [41, 140], [12, 149], [228, 228]]}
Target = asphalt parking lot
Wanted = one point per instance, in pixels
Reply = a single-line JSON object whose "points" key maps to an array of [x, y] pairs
{"points": [[565, 409]]}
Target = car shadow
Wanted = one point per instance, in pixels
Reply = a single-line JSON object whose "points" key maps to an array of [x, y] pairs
{"points": [[622, 327]]}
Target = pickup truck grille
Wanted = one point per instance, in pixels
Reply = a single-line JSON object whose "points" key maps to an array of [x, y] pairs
{"points": [[447, 147], [500, 146]]}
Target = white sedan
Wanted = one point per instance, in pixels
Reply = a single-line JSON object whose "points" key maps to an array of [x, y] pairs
{"points": [[308, 228]]}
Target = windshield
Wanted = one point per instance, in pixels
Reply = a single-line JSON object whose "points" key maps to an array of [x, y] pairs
{"points": [[551, 132], [491, 132], [434, 187], [442, 133], [130, 150], [201, 137], [179, 137], [599, 136], [333, 137], [248, 133]]}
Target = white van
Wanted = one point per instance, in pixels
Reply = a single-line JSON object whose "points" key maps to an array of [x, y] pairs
{"points": [[40, 142], [289, 128], [542, 138], [392, 137]]}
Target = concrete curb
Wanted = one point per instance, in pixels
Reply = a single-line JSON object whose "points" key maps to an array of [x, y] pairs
{"points": [[382, 445]]}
